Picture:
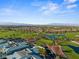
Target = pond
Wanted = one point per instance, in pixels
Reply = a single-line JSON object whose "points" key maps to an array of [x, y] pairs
{"points": [[55, 36], [76, 49]]}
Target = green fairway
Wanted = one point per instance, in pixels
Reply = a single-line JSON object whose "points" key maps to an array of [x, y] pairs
{"points": [[44, 41], [16, 34], [71, 54]]}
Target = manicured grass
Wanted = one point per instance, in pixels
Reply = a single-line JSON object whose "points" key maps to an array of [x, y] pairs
{"points": [[44, 41], [70, 53], [16, 34], [68, 43], [71, 35]]}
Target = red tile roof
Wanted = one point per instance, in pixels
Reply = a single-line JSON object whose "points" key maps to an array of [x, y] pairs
{"points": [[57, 50]]}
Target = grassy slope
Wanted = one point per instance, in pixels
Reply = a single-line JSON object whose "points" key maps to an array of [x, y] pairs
{"points": [[71, 54], [44, 41], [16, 34]]}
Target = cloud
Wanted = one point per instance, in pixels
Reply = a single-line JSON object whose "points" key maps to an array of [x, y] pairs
{"points": [[68, 12], [49, 8], [71, 6], [9, 12], [70, 1]]}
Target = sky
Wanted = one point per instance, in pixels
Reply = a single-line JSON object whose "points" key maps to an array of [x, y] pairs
{"points": [[39, 11]]}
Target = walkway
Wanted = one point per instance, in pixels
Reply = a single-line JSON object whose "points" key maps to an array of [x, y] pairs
{"points": [[75, 42]]}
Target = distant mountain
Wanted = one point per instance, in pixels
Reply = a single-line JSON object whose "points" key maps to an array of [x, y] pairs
{"points": [[63, 24], [23, 24], [14, 24]]}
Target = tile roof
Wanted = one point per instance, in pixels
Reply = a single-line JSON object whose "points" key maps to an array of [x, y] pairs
{"points": [[57, 50]]}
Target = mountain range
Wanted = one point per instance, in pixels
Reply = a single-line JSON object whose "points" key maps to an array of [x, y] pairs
{"points": [[23, 24]]}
